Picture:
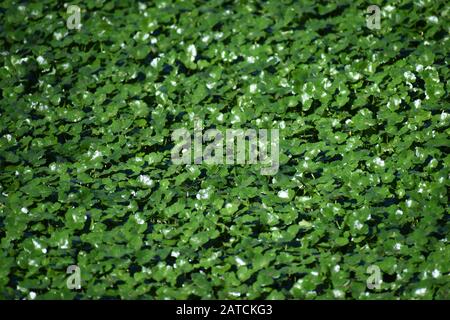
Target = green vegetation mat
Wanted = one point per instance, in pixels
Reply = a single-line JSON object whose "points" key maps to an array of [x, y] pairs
{"points": [[86, 176]]}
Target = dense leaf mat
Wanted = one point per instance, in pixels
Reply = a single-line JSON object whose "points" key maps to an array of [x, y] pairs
{"points": [[85, 137]]}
